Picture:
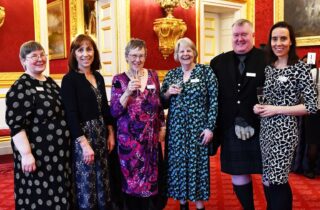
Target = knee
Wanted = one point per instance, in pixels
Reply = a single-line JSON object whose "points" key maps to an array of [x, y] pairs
{"points": [[241, 179]]}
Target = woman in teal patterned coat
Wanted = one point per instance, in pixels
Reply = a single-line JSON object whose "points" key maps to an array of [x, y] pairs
{"points": [[190, 93]]}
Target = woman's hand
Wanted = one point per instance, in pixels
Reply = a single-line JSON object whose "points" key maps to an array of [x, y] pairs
{"points": [[265, 110], [207, 136], [28, 163], [174, 89], [87, 152], [133, 85], [111, 143], [162, 134]]}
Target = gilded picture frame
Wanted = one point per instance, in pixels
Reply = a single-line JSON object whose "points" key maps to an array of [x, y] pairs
{"points": [[300, 14], [56, 29]]}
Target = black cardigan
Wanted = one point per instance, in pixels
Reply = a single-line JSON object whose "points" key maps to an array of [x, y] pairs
{"points": [[80, 101]]}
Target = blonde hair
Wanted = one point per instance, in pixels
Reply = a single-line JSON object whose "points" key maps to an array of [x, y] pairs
{"points": [[241, 22], [184, 41]]}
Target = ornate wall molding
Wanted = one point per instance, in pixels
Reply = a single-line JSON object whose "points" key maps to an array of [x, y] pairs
{"points": [[7, 78], [169, 29], [76, 18], [250, 8]]}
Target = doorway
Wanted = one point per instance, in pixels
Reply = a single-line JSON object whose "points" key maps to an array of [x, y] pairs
{"points": [[216, 19]]}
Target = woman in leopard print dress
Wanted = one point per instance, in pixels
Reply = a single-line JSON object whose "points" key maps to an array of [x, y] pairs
{"points": [[287, 82]]}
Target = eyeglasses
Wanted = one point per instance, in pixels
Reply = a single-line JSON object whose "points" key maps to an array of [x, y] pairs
{"points": [[135, 56], [36, 57]]}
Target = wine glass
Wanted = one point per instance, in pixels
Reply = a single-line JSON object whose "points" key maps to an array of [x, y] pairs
{"points": [[260, 95], [178, 85], [137, 76]]}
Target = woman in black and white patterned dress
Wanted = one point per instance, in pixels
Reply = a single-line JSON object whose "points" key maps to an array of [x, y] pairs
{"points": [[40, 138], [288, 92]]}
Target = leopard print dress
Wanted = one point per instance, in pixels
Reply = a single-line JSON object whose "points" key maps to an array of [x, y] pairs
{"points": [[279, 133]]}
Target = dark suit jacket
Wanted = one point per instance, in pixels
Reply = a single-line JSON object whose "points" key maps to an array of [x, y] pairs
{"points": [[234, 99]]}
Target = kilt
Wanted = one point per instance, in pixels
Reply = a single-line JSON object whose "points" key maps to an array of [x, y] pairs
{"points": [[240, 157]]}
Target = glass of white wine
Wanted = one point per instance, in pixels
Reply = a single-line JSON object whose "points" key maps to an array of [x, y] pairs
{"points": [[137, 76], [178, 85], [260, 95]]}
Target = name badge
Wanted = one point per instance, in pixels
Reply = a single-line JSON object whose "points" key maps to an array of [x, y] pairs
{"points": [[194, 80], [151, 87], [39, 89], [250, 74], [282, 78]]}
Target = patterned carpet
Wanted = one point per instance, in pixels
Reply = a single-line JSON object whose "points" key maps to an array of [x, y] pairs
{"points": [[306, 192]]}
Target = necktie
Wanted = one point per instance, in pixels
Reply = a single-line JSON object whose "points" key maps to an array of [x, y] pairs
{"points": [[242, 65]]}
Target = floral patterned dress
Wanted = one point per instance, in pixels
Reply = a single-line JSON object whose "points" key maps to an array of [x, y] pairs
{"points": [[96, 194], [138, 134], [190, 112]]}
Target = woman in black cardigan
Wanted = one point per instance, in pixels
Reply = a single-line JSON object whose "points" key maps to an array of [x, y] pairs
{"points": [[90, 123]]}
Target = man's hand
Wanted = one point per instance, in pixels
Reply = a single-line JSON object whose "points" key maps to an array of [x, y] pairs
{"points": [[244, 133]]}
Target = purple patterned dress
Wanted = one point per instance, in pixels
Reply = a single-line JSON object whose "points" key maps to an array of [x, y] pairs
{"points": [[138, 134]]}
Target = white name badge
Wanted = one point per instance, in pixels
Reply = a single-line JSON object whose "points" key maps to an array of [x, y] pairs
{"points": [[311, 59], [194, 80], [39, 88], [151, 87], [282, 78], [250, 74]]}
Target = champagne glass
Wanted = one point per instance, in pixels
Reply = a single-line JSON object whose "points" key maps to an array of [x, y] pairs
{"points": [[137, 76], [318, 95], [178, 85], [260, 95]]}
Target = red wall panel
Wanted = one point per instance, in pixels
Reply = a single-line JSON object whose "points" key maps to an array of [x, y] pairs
{"points": [[18, 27], [263, 23], [142, 15]]}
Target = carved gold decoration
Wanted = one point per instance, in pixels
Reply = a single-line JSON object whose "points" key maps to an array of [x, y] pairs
{"points": [[170, 29], [76, 18], [2, 15]]}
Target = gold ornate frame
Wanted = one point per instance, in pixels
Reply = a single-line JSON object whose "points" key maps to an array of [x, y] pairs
{"points": [[278, 6], [57, 33], [76, 18]]}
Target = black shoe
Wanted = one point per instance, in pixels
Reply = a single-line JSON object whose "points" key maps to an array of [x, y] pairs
{"points": [[310, 174], [184, 206]]}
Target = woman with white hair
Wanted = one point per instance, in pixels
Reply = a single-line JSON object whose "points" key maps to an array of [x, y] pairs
{"points": [[190, 93]]}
